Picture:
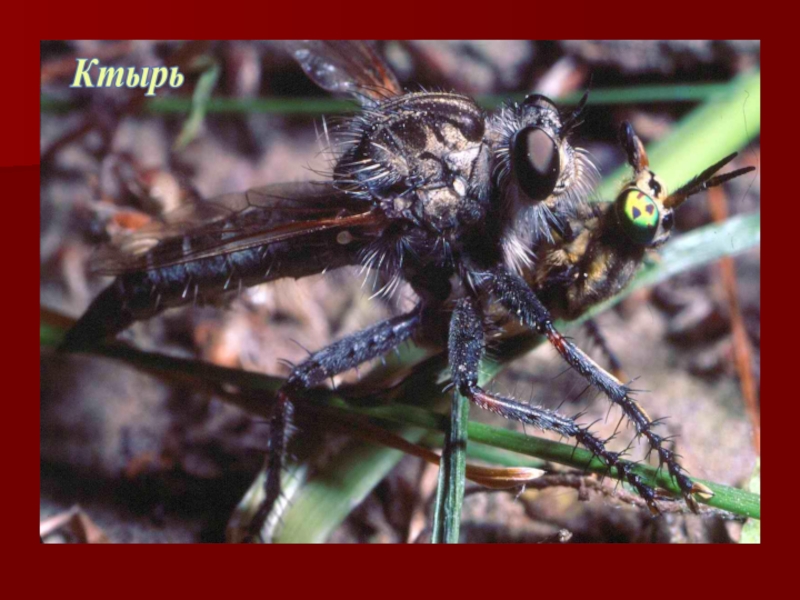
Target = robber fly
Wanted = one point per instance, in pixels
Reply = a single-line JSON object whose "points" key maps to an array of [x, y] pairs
{"points": [[429, 189]]}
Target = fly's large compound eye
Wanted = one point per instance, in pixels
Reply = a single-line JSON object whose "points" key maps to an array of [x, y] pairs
{"points": [[537, 162], [638, 215]]}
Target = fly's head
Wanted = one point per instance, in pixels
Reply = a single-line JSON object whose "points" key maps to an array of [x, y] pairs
{"points": [[540, 176], [538, 170], [644, 209]]}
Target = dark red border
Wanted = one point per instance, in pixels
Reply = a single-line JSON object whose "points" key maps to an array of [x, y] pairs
{"points": [[499, 570]]}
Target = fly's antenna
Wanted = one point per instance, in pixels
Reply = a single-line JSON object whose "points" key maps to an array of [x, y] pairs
{"points": [[705, 180]]}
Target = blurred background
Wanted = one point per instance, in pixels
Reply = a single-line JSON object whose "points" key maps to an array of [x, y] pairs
{"points": [[146, 461]]}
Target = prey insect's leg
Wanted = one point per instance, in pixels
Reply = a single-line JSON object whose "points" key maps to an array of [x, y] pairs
{"points": [[597, 335], [466, 346], [515, 295], [337, 358]]}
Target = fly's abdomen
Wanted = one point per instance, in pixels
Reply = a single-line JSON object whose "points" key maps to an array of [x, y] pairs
{"points": [[140, 295]]}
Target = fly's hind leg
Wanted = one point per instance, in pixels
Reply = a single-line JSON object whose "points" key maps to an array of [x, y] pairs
{"points": [[337, 358], [466, 347]]}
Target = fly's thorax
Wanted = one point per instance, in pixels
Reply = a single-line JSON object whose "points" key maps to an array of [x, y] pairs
{"points": [[422, 157]]}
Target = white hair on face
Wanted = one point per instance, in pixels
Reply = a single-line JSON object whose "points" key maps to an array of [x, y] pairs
{"points": [[534, 222]]}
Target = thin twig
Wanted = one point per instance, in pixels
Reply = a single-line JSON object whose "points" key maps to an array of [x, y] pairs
{"points": [[742, 349]]}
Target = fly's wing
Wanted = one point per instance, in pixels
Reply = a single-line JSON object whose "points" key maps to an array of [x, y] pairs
{"points": [[235, 222], [348, 67]]}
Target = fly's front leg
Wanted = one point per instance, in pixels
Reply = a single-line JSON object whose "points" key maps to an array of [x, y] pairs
{"points": [[337, 358], [515, 295], [466, 347]]}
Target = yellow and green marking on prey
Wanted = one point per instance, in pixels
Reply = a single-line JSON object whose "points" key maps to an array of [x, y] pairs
{"points": [[638, 215]]}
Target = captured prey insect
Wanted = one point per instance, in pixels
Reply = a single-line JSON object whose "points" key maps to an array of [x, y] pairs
{"points": [[427, 188], [602, 246]]}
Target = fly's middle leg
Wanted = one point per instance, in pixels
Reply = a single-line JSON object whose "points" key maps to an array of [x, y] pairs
{"points": [[339, 357]]}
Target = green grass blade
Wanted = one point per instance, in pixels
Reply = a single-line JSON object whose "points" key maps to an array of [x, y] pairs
{"points": [[704, 245], [201, 99], [452, 475], [736, 501], [50, 336], [751, 532], [332, 493]]}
